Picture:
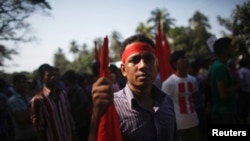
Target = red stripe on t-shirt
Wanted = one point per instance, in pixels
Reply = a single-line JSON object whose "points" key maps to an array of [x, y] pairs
{"points": [[182, 104]]}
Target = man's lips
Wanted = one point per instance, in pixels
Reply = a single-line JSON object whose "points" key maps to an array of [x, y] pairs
{"points": [[144, 75]]}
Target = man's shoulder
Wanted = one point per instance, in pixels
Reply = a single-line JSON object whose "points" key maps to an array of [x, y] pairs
{"points": [[169, 78], [14, 98], [192, 78], [217, 64], [119, 94], [38, 96]]}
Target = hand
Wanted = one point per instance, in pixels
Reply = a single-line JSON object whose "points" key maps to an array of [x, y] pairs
{"points": [[102, 96]]}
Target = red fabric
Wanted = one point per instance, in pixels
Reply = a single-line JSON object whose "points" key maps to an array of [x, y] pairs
{"points": [[182, 105], [163, 53], [135, 48], [181, 87], [109, 126], [104, 59], [190, 87]]}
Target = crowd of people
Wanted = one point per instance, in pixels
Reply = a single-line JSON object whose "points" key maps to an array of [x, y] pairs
{"points": [[68, 107]]}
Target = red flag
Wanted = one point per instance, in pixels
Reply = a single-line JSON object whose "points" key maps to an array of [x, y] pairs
{"points": [[104, 59], [163, 53], [109, 126], [167, 50]]}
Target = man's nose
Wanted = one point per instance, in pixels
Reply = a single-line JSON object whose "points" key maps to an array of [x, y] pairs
{"points": [[142, 63]]}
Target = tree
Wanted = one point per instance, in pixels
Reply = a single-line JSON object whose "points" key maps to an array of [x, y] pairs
{"points": [[13, 17], [199, 34], [161, 15], [14, 13], [60, 61], [115, 43], [199, 20], [5, 53], [74, 48], [144, 28], [181, 39], [239, 26], [193, 38], [84, 60], [158, 15]]}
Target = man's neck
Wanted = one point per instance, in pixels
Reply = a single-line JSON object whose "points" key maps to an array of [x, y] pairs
{"points": [[223, 59], [181, 73], [144, 97]]}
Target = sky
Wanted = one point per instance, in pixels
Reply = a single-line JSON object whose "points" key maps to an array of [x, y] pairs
{"points": [[84, 21]]}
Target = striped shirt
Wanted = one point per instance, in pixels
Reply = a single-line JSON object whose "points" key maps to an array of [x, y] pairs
{"points": [[51, 117], [139, 124]]}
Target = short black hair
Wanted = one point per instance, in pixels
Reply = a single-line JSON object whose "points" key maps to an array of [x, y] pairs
{"points": [[221, 44], [42, 68], [70, 76], [136, 38], [175, 56]]}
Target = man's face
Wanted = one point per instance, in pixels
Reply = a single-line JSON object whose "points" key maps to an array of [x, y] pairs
{"points": [[140, 68], [51, 78], [182, 63], [22, 86]]}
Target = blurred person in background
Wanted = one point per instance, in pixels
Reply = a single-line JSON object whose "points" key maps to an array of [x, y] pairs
{"points": [[18, 107]]}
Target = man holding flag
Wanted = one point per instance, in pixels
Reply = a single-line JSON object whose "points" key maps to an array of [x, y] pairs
{"points": [[145, 113]]}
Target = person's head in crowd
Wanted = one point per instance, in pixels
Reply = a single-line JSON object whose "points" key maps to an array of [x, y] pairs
{"points": [[193, 67], [50, 77], [139, 63], [42, 68], [69, 77], [178, 60], [223, 47], [20, 83]]}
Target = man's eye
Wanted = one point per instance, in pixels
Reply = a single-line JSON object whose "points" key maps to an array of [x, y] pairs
{"points": [[149, 58], [135, 59]]}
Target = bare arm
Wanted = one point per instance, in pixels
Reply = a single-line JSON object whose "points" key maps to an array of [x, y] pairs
{"points": [[225, 92]]}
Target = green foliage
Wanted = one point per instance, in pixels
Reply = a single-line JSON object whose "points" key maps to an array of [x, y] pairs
{"points": [[239, 26], [181, 38], [192, 39], [144, 28], [6, 54], [199, 20], [115, 43], [157, 15], [162, 16], [60, 61]]}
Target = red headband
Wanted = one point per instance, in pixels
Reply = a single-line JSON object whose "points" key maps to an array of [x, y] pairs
{"points": [[135, 48]]}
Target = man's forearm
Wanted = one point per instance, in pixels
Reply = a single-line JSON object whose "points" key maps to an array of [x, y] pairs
{"points": [[93, 128]]}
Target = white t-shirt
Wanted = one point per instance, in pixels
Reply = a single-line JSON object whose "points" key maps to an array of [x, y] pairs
{"points": [[181, 91]]}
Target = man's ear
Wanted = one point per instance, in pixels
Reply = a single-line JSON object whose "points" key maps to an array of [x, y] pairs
{"points": [[123, 70], [156, 61]]}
